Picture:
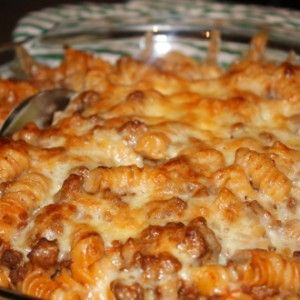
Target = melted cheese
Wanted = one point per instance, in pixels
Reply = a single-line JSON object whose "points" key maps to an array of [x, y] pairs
{"points": [[140, 165]]}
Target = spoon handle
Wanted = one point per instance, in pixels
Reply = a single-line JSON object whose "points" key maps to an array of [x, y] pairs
{"points": [[13, 295]]}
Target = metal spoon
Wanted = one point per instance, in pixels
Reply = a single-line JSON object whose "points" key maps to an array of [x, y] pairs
{"points": [[7, 294], [38, 109]]}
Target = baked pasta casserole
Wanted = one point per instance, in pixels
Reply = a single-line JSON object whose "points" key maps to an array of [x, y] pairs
{"points": [[162, 179]]}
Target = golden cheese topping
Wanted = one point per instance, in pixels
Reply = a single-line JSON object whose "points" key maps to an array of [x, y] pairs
{"points": [[169, 180]]}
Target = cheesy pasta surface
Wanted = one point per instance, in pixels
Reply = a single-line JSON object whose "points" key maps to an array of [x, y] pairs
{"points": [[173, 179]]}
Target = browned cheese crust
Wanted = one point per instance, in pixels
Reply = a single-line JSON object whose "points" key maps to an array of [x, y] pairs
{"points": [[173, 179]]}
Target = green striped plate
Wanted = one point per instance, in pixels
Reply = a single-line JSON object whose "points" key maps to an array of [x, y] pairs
{"points": [[65, 19]]}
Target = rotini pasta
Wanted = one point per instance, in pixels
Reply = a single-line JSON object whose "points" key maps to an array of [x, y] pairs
{"points": [[20, 198], [263, 174], [261, 268], [165, 178], [163, 182], [13, 160], [38, 284], [87, 248]]}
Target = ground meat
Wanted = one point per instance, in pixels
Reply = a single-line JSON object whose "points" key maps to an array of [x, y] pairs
{"points": [[127, 292], [3, 246], [11, 258], [296, 254], [196, 239], [157, 266], [208, 246], [194, 243], [84, 100], [18, 274], [132, 130], [70, 186], [167, 209], [188, 293], [44, 253]]}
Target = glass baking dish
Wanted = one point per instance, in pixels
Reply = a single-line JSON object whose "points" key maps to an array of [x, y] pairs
{"points": [[191, 39]]}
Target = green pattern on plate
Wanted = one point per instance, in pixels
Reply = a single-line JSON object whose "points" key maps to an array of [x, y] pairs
{"points": [[68, 17]]}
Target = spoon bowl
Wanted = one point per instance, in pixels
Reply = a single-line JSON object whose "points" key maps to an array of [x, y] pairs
{"points": [[38, 108]]}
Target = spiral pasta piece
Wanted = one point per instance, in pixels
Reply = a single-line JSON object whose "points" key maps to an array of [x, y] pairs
{"points": [[13, 161], [38, 284], [69, 288], [121, 178], [212, 279], [264, 268], [87, 249], [235, 179], [258, 46], [20, 198], [12, 93], [171, 179], [263, 173], [28, 189], [153, 145], [61, 213], [206, 159]]}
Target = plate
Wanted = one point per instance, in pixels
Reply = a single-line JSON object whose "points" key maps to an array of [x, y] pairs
{"points": [[237, 24]]}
